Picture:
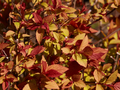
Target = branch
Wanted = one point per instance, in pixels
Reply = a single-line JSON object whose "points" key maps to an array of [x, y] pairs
{"points": [[101, 17]]}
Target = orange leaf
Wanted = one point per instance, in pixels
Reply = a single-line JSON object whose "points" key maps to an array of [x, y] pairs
{"points": [[51, 85], [3, 45], [97, 75], [84, 43], [80, 84], [65, 50], [49, 18], [39, 35], [112, 77]]}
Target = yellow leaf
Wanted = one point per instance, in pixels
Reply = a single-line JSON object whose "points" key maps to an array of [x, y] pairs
{"points": [[72, 15], [39, 35], [65, 32], [112, 77], [80, 36], [65, 50], [114, 41], [44, 4], [81, 59], [99, 87], [97, 75], [101, 1], [53, 27], [70, 10], [9, 33], [56, 36], [17, 25], [2, 58], [80, 84]]}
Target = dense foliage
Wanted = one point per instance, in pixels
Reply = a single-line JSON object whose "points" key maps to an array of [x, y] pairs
{"points": [[59, 44]]}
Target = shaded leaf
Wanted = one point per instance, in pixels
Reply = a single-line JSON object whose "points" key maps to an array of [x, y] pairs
{"points": [[112, 77], [49, 18], [87, 51], [10, 76], [3, 45], [30, 86]]}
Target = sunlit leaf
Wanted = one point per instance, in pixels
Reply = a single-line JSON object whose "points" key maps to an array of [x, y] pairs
{"points": [[65, 50], [39, 35], [84, 43], [2, 58], [44, 64], [56, 36], [117, 86], [9, 33], [106, 66], [80, 83], [53, 27], [97, 75], [99, 87], [51, 85], [17, 25], [112, 77], [114, 41], [30, 86]]}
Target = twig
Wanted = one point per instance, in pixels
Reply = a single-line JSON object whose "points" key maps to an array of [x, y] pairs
{"points": [[74, 3], [107, 36], [115, 64], [101, 17], [5, 54]]}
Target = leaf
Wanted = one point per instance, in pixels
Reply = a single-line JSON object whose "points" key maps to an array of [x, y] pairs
{"points": [[2, 79], [76, 77], [112, 77], [9, 33], [65, 50], [80, 84], [37, 18], [29, 63], [2, 58], [81, 59], [17, 25], [117, 86], [87, 51], [106, 66], [70, 10], [99, 87], [49, 18], [84, 43], [55, 70], [56, 36], [65, 32], [51, 85], [114, 41], [37, 50], [80, 36], [97, 75], [53, 27], [10, 76], [30, 86], [44, 64], [39, 35], [3, 45]]}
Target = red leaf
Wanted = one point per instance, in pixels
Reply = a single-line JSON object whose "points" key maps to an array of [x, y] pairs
{"points": [[3, 45], [37, 18], [55, 70], [87, 51], [117, 86], [44, 64], [96, 56], [74, 68], [37, 50]]}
